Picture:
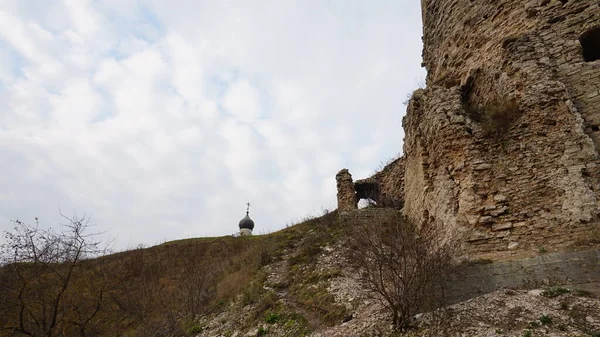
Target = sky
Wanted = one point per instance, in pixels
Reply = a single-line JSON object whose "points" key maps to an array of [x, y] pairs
{"points": [[161, 119]]}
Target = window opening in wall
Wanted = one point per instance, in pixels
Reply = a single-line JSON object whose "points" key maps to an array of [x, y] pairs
{"points": [[366, 190], [595, 128], [590, 42]]}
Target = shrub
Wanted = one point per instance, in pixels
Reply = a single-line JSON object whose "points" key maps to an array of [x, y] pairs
{"points": [[196, 289], [496, 118], [403, 264], [527, 333]]}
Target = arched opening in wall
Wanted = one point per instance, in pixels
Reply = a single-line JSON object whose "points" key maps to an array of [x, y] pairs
{"points": [[367, 191], [590, 44], [368, 194]]}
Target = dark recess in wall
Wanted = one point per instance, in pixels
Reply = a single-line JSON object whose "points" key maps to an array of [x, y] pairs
{"points": [[590, 43]]}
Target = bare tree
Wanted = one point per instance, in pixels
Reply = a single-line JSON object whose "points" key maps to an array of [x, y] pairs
{"points": [[402, 264], [41, 269]]}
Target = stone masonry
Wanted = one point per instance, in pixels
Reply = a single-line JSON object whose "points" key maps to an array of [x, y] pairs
{"points": [[535, 186], [385, 188], [346, 195], [516, 68]]}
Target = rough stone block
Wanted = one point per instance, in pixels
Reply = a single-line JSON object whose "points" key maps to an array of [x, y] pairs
{"points": [[502, 226]]}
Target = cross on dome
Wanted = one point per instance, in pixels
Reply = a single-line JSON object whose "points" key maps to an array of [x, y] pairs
{"points": [[246, 224]]}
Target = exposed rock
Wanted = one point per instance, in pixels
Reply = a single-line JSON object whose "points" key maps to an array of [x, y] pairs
{"points": [[502, 226], [512, 313]]}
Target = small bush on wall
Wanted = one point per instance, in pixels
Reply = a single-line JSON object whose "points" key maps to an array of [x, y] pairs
{"points": [[496, 118]]}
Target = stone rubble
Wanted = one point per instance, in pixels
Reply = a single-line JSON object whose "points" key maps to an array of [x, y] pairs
{"points": [[512, 313]]}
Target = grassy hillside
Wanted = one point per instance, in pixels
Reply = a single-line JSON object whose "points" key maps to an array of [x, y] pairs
{"points": [[296, 282], [165, 290]]}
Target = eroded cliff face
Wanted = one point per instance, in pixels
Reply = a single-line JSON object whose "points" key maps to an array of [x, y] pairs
{"points": [[500, 146]]}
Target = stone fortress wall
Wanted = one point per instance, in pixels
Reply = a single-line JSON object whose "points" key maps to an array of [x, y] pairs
{"points": [[534, 183]]}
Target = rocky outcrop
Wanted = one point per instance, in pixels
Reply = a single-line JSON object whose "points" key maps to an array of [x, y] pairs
{"points": [[515, 313]]}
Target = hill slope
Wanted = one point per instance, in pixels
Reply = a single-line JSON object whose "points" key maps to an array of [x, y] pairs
{"points": [[295, 282]]}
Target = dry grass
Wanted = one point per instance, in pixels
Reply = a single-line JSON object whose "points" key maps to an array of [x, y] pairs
{"points": [[496, 118], [164, 289]]}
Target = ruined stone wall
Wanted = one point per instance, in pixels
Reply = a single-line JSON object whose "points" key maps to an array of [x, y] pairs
{"points": [[366, 216], [346, 196], [533, 180], [434, 151], [386, 187]]}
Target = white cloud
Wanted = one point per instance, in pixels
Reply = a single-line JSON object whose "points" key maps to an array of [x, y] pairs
{"points": [[162, 121], [76, 106], [243, 101], [84, 18]]}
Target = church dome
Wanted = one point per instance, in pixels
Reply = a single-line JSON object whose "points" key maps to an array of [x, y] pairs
{"points": [[246, 222]]}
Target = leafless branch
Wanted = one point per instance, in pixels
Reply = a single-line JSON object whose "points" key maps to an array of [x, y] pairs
{"points": [[43, 265], [401, 263]]}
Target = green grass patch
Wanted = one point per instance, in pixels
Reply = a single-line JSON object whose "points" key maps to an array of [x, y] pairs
{"points": [[555, 292], [272, 318], [545, 320]]}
